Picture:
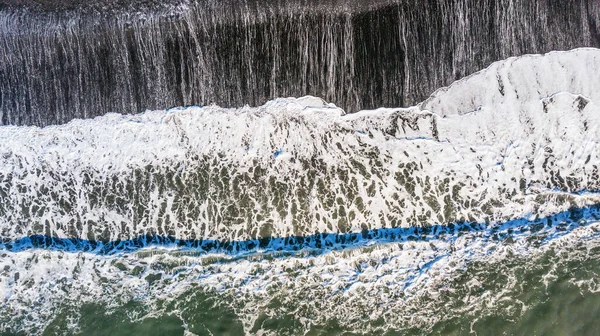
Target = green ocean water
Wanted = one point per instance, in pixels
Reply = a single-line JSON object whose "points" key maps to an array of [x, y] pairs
{"points": [[551, 293]]}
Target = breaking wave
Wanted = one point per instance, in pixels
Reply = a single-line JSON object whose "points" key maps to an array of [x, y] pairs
{"points": [[296, 217]]}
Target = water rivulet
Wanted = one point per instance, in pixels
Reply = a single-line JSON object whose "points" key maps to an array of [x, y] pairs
{"points": [[71, 59]]}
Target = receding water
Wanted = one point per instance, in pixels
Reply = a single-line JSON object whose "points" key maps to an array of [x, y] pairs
{"points": [[69, 59]]}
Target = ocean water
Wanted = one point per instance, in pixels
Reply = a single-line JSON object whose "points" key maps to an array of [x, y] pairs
{"points": [[522, 277], [473, 212]]}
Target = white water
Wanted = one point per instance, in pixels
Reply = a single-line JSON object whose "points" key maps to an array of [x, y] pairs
{"points": [[479, 157], [407, 285], [471, 152]]}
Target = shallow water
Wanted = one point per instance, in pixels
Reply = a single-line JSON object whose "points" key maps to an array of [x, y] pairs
{"points": [[295, 218], [529, 277], [544, 295]]}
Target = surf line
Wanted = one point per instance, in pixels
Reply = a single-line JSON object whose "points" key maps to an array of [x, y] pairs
{"points": [[318, 242]]}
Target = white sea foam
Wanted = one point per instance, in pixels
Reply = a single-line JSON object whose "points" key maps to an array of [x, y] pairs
{"points": [[517, 140], [471, 152]]}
